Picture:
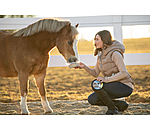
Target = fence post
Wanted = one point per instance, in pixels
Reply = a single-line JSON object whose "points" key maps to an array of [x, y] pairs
{"points": [[117, 24]]}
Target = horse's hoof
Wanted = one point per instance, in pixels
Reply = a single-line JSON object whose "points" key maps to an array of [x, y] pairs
{"points": [[48, 112], [26, 113]]}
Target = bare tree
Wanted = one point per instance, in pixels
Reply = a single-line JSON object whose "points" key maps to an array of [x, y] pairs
{"points": [[16, 16], [2, 16]]}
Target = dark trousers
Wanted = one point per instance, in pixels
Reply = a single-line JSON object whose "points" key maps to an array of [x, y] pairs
{"points": [[114, 90]]}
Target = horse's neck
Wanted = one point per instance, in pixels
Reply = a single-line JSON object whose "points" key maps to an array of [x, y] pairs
{"points": [[45, 41]]}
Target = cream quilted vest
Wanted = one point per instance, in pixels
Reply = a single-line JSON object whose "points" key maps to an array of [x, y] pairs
{"points": [[108, 67]]}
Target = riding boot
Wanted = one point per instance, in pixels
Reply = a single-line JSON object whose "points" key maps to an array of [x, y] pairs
{"points": [[100, 103], [112, 109], [121, 105]]}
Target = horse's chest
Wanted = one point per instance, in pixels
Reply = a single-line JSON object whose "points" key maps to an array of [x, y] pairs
{"points": [[39, 67]]}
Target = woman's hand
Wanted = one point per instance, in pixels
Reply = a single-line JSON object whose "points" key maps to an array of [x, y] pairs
{"points": [[81, 65], [101, 79]]}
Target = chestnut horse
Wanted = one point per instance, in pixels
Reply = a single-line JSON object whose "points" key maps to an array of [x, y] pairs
{"points": [[26, 52]]}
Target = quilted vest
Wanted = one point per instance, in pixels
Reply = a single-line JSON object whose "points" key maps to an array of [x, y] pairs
{"points": [[108, 67]]}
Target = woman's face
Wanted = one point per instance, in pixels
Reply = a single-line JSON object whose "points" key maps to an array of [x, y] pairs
{"points": [[98, 42]]}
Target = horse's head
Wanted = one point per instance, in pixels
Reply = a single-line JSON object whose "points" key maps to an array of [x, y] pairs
{"points": [[67, 41]]}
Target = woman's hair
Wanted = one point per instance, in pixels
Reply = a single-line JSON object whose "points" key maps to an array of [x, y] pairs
{"points": [[105, 37]]}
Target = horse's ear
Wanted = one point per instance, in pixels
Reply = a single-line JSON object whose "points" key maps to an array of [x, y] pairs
{"points": [[69, 25], [77, 25]]}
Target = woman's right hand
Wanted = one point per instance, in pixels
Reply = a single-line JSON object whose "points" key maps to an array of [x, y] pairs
{"points": [[81, 65]]}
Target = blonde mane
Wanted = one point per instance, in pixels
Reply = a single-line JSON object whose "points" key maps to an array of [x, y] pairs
{"points": [[50, 25]]}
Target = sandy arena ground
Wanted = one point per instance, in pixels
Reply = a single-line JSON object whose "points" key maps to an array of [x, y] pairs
{"points": [[62, 107]]}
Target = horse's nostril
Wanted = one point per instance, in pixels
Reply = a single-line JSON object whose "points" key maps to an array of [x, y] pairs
{"points": [[69, 60], [72, 59], [75, 59]]}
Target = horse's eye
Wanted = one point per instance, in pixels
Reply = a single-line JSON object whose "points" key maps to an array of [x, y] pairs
{"points": [[70, 42]]}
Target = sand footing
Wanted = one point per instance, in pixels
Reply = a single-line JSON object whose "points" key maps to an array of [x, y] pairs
{"points": [[68, 107]]}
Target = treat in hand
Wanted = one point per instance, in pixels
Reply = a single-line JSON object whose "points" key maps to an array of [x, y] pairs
{"points": [[73, 65]]}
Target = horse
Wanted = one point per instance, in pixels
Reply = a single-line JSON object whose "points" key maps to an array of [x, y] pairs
{"points": [[26, 52]]}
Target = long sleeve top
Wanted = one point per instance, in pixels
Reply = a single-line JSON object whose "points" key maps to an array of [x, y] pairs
{"points": [[118, 60]]}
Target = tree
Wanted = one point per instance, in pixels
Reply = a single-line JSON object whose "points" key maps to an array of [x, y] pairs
{"points": [[16, 16], [2, 16]]}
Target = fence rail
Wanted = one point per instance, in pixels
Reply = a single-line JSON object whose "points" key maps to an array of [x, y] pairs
{"points": [[117, 21], [90, 60]]}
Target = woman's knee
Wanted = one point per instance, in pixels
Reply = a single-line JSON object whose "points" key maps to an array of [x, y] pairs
{"points": [[92, 99]]}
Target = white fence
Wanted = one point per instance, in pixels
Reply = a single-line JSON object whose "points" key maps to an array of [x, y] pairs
{"points": [[117, 21]]}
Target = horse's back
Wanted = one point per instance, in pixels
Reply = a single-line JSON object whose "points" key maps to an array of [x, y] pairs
{"points": [[3, 37], [4, 34]]}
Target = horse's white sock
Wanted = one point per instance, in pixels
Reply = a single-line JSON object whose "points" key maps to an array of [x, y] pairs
{"points": [[46, 105], [23, 104]]}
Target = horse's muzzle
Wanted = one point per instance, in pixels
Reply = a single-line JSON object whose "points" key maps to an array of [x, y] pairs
{"points": [[72, 59]]}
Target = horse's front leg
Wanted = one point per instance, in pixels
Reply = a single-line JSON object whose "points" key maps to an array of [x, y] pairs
{"points": [[23, 79], [40, 84]]}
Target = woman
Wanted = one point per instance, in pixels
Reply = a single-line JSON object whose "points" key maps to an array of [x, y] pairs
{"points": [[117, 82]]}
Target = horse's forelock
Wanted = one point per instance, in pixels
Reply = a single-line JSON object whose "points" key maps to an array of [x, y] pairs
{"points": [[74, 31]]}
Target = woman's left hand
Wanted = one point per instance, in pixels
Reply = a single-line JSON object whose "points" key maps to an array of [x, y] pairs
{"points": [[101, 79]]}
